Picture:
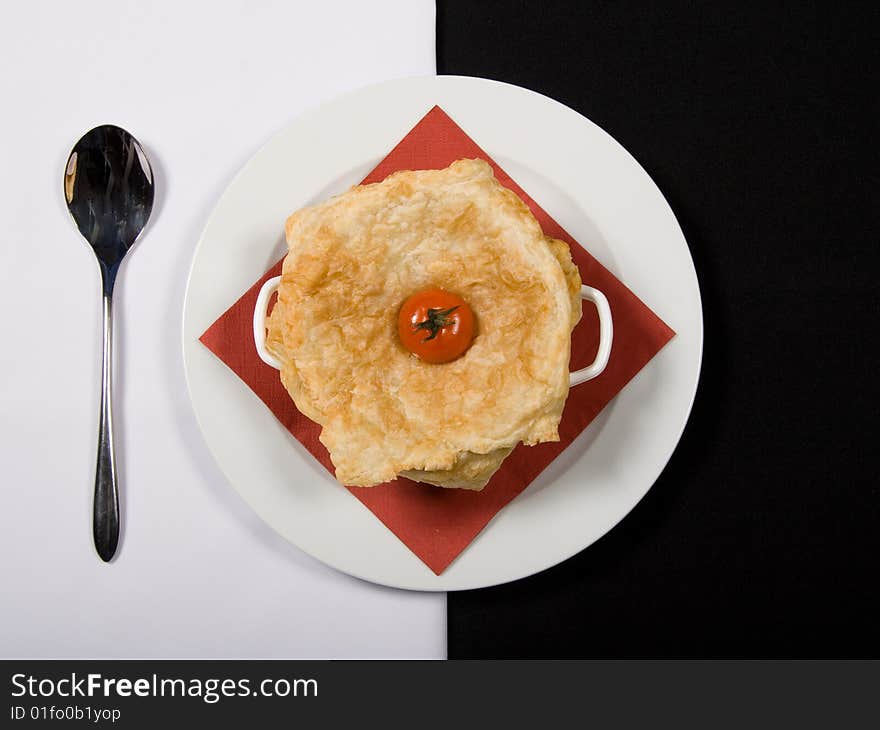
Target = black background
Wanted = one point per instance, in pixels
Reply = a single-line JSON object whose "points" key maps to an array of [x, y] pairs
{"points": [[759, 124]]}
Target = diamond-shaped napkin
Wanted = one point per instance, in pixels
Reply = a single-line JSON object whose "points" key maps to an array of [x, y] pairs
{"points": [[438, 524]]}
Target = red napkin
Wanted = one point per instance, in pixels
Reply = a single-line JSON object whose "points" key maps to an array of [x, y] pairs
{"points": [[438, 524]]}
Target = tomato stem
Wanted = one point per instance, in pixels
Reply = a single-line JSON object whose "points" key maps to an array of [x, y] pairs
{"points": [[437, 320]]}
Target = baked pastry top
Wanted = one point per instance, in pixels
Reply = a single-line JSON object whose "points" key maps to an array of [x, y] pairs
{"points": [[355, 258]]}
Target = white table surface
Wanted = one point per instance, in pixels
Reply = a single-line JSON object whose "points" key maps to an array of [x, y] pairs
{"points": [[202, 85]]}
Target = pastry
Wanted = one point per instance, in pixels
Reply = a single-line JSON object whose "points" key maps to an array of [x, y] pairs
{"points": [[354, 260]]}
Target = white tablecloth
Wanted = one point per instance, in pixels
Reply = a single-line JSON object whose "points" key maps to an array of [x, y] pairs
{"points": [[202, 85]]}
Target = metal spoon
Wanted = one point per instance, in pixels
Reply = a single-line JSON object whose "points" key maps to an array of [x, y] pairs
{"points": [[108, 186]]}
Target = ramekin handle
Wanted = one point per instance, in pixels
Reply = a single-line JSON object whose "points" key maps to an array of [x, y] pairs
{"points": [[606, 334], [268, 289]]}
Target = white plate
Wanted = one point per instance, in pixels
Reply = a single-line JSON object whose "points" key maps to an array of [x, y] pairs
{"points": [[591, 186]]}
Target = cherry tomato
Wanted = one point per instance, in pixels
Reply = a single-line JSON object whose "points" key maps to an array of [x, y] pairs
{"points": [[436, 325]]}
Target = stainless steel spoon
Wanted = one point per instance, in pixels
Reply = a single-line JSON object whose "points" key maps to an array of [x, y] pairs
{"points": [[108, 186]]}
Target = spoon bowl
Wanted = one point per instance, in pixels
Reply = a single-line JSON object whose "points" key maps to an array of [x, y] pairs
{"points": [[108, 187]]}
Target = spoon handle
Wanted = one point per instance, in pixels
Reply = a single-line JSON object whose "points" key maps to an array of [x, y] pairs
{"points": [[105, 516]]}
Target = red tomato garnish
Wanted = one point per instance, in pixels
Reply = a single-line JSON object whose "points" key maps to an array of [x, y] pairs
{"points": [[436, 325]]}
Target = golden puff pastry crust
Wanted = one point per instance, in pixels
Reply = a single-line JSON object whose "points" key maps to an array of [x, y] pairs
{"points": [[353, 260]]}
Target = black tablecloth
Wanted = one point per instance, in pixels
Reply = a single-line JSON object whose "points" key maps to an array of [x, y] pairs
{"points": [[759, 124]]}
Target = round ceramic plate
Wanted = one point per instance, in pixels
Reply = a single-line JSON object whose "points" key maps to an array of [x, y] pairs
{"points": [[581, 176]]}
